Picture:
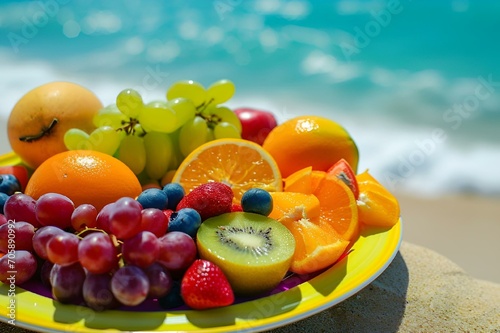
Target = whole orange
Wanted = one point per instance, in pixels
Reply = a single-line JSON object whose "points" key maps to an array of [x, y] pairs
{"points": [[84, 176], [39, 119], [310, 141]]}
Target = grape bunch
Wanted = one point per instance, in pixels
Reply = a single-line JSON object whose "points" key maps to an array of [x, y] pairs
{"points": [[153, 138], [122, 255]]}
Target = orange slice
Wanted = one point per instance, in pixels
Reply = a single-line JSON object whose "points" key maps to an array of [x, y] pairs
{"points": [[317, 245], [338, 205], [241, 164], [376, 205]]}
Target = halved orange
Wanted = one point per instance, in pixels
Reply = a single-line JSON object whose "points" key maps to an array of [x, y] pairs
{"points": [[241, 164], [376, 205]]}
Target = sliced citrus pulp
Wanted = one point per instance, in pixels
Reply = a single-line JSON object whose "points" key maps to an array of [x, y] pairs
{"points": [[317, 245], [376, 205], [241, 164], [337, 202]]}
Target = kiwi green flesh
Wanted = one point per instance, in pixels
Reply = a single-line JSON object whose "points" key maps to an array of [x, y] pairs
{"points": [[246, 239]]}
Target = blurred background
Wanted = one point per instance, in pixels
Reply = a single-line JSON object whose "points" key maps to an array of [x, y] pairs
{"points": [[416, 83]]}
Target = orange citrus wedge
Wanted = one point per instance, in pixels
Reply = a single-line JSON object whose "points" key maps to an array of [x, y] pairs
{"points": [[241, 164], [317, 245], [338, 205], [376, 205]]}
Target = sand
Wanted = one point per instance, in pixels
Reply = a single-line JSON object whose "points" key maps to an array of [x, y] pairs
{"points": [[463, 228]]}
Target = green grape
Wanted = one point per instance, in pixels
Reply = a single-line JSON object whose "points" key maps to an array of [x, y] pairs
{"points": [[226, 130], [133, 153], [188, 89], [177, 157], [184, 109], [227, 115], [157, 116], [109, 116], [221, 91], [192, 135], [129, 102], [76, 139], [159, 152], [105, 139], [210, 134]]}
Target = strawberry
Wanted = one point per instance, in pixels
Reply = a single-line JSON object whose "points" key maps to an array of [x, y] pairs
{"points": [[205, 286], [209, 199], [236, 208]]}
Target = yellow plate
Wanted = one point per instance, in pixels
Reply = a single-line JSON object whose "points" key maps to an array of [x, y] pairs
{"points": [[373, 251]]}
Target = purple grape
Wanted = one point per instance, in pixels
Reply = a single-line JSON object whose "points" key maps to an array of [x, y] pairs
{"points": [[67, 282], [103, 218], [63, 249], [125, 218], [17, 267], [97, 292], [141, 250], [3, 219], [54, 209], [45, 272], [42, 237], [16, 236], [160, 280], [177, 250], [155, 221], [83, 216], [130, 285], [97, 253], [21, 207]]}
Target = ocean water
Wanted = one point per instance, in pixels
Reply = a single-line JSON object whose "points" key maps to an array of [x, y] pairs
{"points": [[416, 83]]}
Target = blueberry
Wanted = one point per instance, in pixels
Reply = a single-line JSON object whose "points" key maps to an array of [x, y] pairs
{"points": [[175, 192], [3, 198], [153, 198], [173, 299], [9, 184], [186, 220], [257, 201]]}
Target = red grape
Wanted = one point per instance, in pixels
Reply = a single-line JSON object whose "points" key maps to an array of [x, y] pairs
{"points": [[17, 267], [83, 216], [97, 292], [54, 209], [42, 236], [177, 250], [97, 253], [141, 250], [125, 218], [67, 282], [21, 207], [155, 221], [63, 249], [130, 285], [16, 236]]}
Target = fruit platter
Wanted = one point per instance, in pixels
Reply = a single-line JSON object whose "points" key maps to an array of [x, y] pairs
{"points": [[182, 214]]}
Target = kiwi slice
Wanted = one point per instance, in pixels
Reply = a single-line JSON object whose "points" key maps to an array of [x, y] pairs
{"points": [[253, 251]]}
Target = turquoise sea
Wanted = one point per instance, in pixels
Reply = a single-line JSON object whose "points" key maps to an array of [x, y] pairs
{"points": [[416, 83]]}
